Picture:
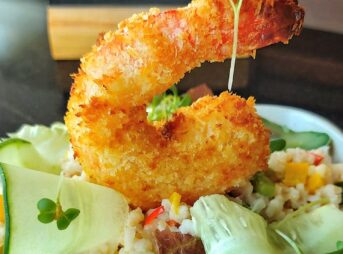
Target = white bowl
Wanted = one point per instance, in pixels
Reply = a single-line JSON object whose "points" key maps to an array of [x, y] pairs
{"points": [[303, 120]]}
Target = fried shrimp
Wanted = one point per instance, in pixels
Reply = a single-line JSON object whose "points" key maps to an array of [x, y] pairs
{"points": [[209, 147]]}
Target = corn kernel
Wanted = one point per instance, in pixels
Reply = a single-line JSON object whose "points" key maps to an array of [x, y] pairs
{"points": [[175, 199], [314, 182], [295, 173]]}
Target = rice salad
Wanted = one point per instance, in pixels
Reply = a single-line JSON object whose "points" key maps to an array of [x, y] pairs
{"points": [[318, 182], [138, 238], [294, 179]]}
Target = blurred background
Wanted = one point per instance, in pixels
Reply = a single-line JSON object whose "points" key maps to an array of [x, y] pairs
{"points": [[41, 42]]}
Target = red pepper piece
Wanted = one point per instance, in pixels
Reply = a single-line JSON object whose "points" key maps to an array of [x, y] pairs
{"points": [[159, 210], [317, 159]]}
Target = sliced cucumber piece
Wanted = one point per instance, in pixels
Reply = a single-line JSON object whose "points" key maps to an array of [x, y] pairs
{"points": [[314, 232], [101, 221], [225, 227], [307, 140], [52, 143], [22, 153]]}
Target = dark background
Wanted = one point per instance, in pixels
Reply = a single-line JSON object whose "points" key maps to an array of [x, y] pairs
{"points": [[307, 73]]}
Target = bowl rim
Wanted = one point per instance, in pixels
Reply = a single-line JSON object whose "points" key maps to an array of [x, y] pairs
{"points": [[321, 123]]}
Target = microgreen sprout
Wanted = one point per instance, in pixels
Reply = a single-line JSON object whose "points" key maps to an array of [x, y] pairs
{"points": [[163, 106], [236, 7], [50, 210]]}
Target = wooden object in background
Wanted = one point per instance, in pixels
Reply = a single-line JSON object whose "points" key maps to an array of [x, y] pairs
{"points": [[74, 25], [73, 29]]}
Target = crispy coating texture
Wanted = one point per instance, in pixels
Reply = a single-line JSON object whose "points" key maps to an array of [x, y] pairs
{"points": [[206, 148]]}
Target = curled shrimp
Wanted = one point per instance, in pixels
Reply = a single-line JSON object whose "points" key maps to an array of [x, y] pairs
{"points": [[209, 147]]}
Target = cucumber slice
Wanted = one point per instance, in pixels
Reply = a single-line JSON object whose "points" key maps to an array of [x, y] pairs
{"points": [[225, 227], [22, 153], [307, 140], [52, 143], [314, 232], [103, 213]]}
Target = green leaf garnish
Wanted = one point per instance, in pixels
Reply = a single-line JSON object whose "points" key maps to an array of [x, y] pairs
{"points": [[72, 213], [50, 211], [47, 209], [163, 106], [46, 205], [67, 217]]}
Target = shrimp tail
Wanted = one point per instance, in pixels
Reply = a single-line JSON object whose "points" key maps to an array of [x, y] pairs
{"points": [[209, 147]]}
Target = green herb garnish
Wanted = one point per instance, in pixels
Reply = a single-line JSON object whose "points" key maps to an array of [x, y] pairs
{"points": [[50, 210], [163, 106], [47, 209]]}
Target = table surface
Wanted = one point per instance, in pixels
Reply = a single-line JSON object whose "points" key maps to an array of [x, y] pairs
{"points": [[307, 73]]}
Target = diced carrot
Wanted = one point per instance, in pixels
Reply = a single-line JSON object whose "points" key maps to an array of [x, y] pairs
{"points": [[295, 173], [314, 182]]}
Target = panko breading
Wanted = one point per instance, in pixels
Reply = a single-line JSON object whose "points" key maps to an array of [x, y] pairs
{"points": [[206, 148]]}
